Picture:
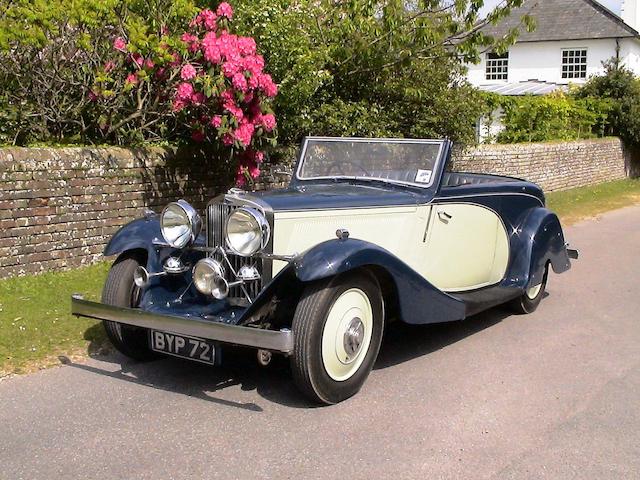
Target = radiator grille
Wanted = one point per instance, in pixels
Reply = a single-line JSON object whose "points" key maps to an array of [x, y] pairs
{"points": [[217, 214]]}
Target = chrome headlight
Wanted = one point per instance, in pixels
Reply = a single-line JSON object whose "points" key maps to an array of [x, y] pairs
{"points": [[247, 231], [180, 224], [208, 277]]}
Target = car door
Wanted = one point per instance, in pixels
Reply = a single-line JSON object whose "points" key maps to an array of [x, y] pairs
{"points": [[465, 247]]}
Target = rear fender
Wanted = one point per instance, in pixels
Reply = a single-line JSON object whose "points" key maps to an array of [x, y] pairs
{"points": [[537, 240], [418, 300]]}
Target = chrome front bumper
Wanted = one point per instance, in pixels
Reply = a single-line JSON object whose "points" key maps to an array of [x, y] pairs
{"points": [[277, 341]]}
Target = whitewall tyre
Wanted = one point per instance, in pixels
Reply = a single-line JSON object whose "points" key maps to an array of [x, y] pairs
{"points": [[337, 328], [532, 296]]}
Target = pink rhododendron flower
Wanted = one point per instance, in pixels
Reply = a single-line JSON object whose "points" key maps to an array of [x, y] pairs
{"points": [[120, 44], [184, 91], [188, 72], [269, 88], [230, 69], [198, 98], [254, 170], [211, 49], [137, 59], [226, 66], [225, 10], [132, 79], [268, 121], [239, 82], [207, 19], [216, 121], [178, 105], [188, 38], [198, 136], [244, 133], [227, 139], [93, 96], [246, 45]]}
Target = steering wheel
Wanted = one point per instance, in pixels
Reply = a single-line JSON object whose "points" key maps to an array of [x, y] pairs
{"points": [[338, 166]]}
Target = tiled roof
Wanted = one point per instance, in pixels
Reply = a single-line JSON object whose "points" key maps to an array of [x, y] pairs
{"points": [[532, 87], [564, 20]]}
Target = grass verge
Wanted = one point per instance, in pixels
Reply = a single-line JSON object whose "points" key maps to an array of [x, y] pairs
{"points": [[585, 202], [35, 324]]}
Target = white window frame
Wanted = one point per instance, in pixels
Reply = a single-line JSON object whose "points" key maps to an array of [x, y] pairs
{"points": [[568, 63], [497, 69]]}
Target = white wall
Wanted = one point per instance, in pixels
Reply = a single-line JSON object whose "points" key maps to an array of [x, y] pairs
{"points": [[543, 60]]}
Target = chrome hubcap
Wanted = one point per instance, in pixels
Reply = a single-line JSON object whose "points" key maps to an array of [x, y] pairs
{"points": [[353, 337]]}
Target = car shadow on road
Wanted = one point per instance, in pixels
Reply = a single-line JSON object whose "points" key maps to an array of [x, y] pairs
{"points": [[401, 343]]}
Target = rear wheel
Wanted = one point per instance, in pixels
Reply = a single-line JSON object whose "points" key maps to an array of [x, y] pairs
{"points": [[120, 290], [337, 328], [531, 298]]}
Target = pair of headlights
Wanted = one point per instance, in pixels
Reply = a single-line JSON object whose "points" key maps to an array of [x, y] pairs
{"points": [[247, 230]]}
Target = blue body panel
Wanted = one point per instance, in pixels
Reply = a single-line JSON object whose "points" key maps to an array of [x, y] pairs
{"points": [[534, 232]]}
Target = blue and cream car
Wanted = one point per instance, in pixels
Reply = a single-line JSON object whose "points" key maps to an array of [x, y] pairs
{"points": [[368, 231]]}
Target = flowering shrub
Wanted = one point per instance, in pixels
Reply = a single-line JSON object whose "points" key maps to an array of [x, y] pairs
{"points": [[211, 80]]}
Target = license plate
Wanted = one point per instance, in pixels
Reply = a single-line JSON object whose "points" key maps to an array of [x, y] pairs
{"points": [[184, 347]]}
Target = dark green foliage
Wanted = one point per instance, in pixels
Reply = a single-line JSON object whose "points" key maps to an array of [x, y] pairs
{"points": [[622, 88], [361, 67], [552, 117]]}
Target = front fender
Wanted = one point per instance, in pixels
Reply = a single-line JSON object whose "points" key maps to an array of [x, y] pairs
{"points": [[537, 240], [418, 300], [139, 234]]}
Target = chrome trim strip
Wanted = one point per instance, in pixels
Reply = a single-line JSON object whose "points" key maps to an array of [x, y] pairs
{"points": [[277, 341], [488, 194], [436, 200]]}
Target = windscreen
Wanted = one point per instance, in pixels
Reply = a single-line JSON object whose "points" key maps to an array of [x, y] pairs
{"points": [[405, 161]]}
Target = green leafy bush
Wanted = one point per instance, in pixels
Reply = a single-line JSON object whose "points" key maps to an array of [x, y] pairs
{"points": [[555, 116], [622, 90]]}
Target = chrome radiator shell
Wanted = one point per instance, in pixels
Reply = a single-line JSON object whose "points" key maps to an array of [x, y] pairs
{"points": [[218, 212]]}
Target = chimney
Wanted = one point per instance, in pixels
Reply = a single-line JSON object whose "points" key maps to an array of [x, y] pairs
{"points": [[631, 13]]}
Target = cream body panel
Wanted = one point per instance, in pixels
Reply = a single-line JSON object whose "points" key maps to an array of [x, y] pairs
{"points": [[468, 252], [397, 229], [467, 247]]}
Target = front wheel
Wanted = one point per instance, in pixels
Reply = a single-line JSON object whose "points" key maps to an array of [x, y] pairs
{"points": [[120, 290], [337, 328]]}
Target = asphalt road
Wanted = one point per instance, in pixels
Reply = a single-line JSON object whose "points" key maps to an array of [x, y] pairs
{"points": [[555, 394]]}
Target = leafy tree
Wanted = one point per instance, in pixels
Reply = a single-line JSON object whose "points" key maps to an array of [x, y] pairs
{"points": [[356, 67], [622, 89], [374, 67]]}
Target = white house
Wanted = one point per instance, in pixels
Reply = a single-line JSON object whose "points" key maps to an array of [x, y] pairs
{"points": [[571, 41]]}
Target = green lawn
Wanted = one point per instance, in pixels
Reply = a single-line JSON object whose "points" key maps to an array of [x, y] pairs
{"points": [[584, 202], [35, 325]]}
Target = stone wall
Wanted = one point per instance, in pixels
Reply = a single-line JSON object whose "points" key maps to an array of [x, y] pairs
{"points": [[59, 206], [553, 165]]}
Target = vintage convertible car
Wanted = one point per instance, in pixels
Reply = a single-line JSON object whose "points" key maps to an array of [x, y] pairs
{"points": [[368, 231]]}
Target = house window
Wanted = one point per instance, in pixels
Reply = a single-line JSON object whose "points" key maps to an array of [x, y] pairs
{"points": [[574, 63], [497, 66]]}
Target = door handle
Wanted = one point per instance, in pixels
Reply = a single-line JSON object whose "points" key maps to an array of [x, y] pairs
{"points": [[444, 215]]}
